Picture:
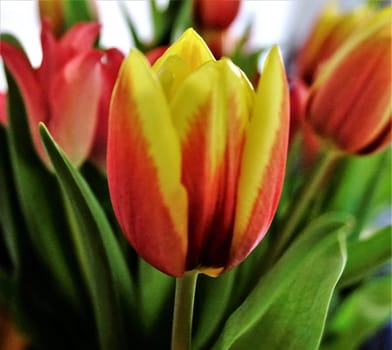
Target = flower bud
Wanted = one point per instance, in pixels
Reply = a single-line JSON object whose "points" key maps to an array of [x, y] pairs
{"points": [[196, 157], [215, 14], [350, 103]]}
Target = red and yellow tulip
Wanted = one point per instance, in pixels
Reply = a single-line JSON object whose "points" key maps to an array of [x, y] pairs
{"points": [[350, 103], [331, 30], [196, 157], [69, 92]]}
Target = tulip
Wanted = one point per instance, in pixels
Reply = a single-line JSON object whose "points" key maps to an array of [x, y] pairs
{"points": [[215, 14], [196, 158], [212, 18], [330, 31], [350, 104], [68, 91]]}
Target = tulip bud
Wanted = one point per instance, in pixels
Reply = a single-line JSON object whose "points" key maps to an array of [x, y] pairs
{"points": [[350, 104], [215, 14], [330, 31], [196, 157]]}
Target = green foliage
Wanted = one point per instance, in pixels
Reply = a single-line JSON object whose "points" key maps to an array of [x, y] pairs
{"points": [[104, 267], [367, 254], [362, 313], [266, 305]]}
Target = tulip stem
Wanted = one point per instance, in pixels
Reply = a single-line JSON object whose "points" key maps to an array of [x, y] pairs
{"points": [[183, 311], [299, 206]]}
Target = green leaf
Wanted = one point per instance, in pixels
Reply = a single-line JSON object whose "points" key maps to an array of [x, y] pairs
{"points": [[132, 28], [156, 303], [181, 18], [366, 195], [104, 266], [365, 255], [11, 221], [78, 11], [316, 259], [361, 314], [217, 298]]}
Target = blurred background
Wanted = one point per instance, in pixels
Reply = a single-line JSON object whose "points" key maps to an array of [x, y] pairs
{"points": [[282, 22]]}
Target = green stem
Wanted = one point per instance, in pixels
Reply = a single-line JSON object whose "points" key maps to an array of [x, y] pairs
{"points": [[183, 311], [299, 206]]}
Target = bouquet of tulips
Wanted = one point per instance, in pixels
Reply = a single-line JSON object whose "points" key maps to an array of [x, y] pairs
{"points": [[178, 197]]}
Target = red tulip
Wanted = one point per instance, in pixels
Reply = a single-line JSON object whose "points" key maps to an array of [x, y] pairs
{"points": [[68, 90], [215, 14], [196, 158], [350, 103]]}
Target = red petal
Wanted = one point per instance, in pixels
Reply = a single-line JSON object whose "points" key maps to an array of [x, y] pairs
{"points": [[74, 100]]}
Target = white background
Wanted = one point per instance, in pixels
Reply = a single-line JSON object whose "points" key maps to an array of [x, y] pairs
{"points": [[274, 22]]}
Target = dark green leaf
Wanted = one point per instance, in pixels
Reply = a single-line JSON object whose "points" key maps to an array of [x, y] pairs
{"points": [[102, 261]]}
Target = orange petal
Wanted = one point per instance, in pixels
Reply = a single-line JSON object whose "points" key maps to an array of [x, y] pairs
{"points": [[144, 168]]}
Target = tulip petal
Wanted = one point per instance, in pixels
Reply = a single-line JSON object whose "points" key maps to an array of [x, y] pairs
{"points": [[191, 48], [81, 36], [263, 161], [198, 114], [110, 66], [144, 168], [238, 101], [18, 64], [74, 100]]}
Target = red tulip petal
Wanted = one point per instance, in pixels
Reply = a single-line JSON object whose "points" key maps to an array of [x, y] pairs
{"points": [[74, 101], [19, 66], [264, 160], [144, 168], [81, 36], [110, 67], [51, 58]]}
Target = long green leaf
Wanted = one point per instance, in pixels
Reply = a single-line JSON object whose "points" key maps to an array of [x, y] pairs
{"points": [[102, 261], [366, 255], [321, 242]]}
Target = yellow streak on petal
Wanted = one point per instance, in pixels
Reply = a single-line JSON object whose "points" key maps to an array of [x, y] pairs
{"points": [[379, 25], [190, 47], [259, 139], [191, 96], [172, 74], [140, 83]]}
